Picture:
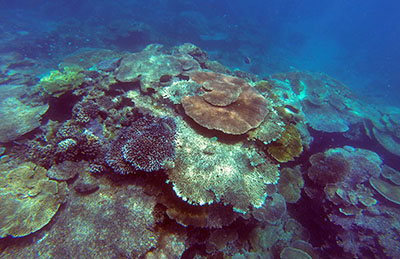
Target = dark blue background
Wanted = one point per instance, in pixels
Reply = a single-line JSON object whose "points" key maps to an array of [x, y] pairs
{"points": [[356, 41]]}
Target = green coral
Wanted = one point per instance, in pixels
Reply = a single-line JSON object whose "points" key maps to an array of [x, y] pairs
{"points": [[57, 82], [28, 199]]}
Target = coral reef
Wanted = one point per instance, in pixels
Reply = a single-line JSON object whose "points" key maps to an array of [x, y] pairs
{"points": [[290, 184], [147, 145], [230, 115], [57, 82], [209, 171], [218, 191], [18, 118], [28, 199], [288, 146], [151, 65]]}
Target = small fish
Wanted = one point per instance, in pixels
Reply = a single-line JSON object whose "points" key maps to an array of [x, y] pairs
{"points": [[247, 60], [213, 139]]}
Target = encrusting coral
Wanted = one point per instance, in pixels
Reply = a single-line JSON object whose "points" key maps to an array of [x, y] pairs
{"points": [[228, 104]]}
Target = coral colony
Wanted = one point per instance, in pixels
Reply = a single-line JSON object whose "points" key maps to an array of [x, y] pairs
{"points": [[164, 153]]}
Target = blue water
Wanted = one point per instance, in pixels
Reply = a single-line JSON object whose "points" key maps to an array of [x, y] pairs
{"points": [[356, 42], [353, 41]]}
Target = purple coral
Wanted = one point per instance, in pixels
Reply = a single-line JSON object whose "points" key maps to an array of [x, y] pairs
{"points": [[147, 145]]}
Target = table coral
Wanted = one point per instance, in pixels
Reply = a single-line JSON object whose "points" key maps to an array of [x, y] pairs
{"points": [[328, 104], [219, 89], [151, 64], [238, 116], [391, 174], [57, 82], [288, 146], [18, 118], [28, 199], [387, 190], [329, 169], [209, 171], [290, 184], [272, 210]]}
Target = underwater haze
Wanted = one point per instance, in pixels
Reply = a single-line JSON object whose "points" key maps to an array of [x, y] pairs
{"points": [[200, 129], [354, 41]]}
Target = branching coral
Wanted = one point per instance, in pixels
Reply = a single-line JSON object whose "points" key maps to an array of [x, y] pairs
{"points": [[147, 145]]}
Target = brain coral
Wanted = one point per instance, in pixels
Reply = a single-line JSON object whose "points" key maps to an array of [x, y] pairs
{"points": [[229, 104], [147, 145], [208, 171], [28, 199]]}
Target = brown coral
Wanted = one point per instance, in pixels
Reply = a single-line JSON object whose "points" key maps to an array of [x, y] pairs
{"points": [[238, 116], [288, 146], [329, 169], [290, 184], [219, 89]]}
